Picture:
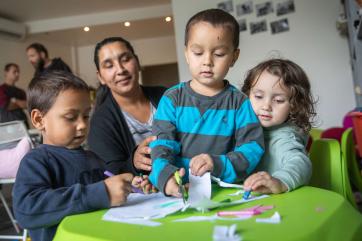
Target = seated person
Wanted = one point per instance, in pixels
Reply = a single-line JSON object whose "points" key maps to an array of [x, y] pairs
{"points": [[60, 178], [12, 98]]}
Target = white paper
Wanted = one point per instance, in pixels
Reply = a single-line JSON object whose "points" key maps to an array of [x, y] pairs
{"points": [[273, 219], [225, 184], [200, 187], [143, 207], [225, 233]]}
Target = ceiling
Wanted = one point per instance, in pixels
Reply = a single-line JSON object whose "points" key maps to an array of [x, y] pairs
{"points": [[26, 11]]}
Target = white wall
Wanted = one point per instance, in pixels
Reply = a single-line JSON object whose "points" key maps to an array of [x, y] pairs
{"points": [[312, 42], [14, 51], [152, 51]]}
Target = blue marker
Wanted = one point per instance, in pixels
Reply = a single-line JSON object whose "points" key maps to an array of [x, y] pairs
{"points": [[134, 189], [246, 194]]}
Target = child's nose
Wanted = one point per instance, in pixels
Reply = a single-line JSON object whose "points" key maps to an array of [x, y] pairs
{"points": [[266, 105], [208, 60]]}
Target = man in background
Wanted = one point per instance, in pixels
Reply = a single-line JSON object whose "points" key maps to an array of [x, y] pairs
{"points": [[39, 58]]}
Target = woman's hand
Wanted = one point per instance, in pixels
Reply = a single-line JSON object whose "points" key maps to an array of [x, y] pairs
{"points": [[141, 158]]}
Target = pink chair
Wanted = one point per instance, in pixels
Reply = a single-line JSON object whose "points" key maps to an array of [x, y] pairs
{"points": [[333, 133]]}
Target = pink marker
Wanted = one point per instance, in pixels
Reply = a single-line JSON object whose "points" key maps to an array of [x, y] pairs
{"points": [[238, 213]]}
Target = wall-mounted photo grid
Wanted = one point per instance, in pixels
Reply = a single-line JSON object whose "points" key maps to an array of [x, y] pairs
{"points": [[246, 11]]}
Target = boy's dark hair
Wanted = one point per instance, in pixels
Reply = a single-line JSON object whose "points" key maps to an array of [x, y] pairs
{"points": [[302, 110], [44, 89], [216, 17], [9, 65], [38, 48]]}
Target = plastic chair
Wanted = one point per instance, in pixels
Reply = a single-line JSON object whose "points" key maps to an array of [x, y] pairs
{"points": [[11, 133], [348, 147], [315, 133], [333, 133], [329, 168]]}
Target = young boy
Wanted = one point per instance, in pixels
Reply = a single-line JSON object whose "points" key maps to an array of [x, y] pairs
{"points": [[60, 178], [206, 124]]}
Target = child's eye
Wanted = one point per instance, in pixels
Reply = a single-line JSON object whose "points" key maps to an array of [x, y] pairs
{"points": [[219, 54], [279, 101], [197, 53], [70, 117], [258, 97]]}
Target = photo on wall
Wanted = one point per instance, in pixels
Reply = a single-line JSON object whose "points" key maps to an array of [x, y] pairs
{"points": [[263, 9], [258, 27], [279, 26], [244, 8], [226, 6], [242, 25], [285, 7]]}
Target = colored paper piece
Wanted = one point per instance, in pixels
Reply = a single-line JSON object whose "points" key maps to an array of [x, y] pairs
{"points": [[200, 187], [237, 193], [225, 233], [225, 184], [211, 218], [256, 210], [273, 219]]}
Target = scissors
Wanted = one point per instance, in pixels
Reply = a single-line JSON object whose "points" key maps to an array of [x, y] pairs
{"points": [[182, 188]]}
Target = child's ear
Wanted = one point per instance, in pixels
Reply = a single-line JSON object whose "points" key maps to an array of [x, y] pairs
{"points": [[235, 57], [185, 52], [37, 119]]}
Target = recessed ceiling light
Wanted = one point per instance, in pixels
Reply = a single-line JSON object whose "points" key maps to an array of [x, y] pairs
{"points": [[127, 24], [168, 19], [86, 29]]}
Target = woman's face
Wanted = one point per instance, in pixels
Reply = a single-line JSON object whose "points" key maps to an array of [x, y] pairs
{"points": [[118, 68]]}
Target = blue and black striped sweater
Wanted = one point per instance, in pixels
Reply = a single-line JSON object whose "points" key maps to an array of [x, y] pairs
{"points": [[188, 124]]}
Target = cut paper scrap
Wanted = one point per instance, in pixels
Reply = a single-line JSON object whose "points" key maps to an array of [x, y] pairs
{"points": [[273, 219], [225, 233], [200, 187], [256, 210], [206, 204], [211, 218], [225, 184], [140, 207], [137, 221]]}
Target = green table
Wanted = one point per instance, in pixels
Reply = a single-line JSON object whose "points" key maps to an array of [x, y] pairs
{"points": [[307, 214]]}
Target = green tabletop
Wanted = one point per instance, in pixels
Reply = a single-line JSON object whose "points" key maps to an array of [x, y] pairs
{"points": [[307, 214]]}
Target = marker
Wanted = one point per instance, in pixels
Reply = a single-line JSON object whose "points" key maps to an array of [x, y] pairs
{"points": [[246, 194], [144, 188], [134, 189]]}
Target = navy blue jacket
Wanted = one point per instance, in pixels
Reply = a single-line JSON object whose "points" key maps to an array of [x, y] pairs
{"points": [[53, 182]]}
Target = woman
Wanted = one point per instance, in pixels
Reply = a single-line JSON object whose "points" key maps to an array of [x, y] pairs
{"points": [[121, 125], [12, 98]]}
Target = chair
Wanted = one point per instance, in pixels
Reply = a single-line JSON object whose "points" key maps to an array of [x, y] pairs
{"points": [[329, 168], [348, 147], [11, 133], [333, 133]]}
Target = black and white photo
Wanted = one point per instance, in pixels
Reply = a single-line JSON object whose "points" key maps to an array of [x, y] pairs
{"points": [[285, 7], [263, 9], [244, 8], [226, 6], [242, 25], [257, 27], [279, 26]]}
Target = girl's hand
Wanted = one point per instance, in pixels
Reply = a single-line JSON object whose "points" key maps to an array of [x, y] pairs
{"points": [[262, 182], [200, 164]]}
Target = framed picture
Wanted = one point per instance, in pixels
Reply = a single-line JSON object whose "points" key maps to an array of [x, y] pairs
{"points": [[226, 6], [263, 9], [257, 27], [285, 7], [244, 8], [279, 26], [242, 25]]}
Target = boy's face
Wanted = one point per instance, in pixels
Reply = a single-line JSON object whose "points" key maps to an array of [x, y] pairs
{"points": [[12, 75], [66, 123], [270, 100], [209, 53]]}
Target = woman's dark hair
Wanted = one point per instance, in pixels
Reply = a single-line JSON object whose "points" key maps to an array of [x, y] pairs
{"points": [[44, 89], [216, 17], [103, 90], [38, 48], [9, 65], [292, 76]]}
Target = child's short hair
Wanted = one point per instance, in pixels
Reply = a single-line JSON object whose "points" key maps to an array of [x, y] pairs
{"points": [[302, 110], [215, 17], [44, 89]]}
